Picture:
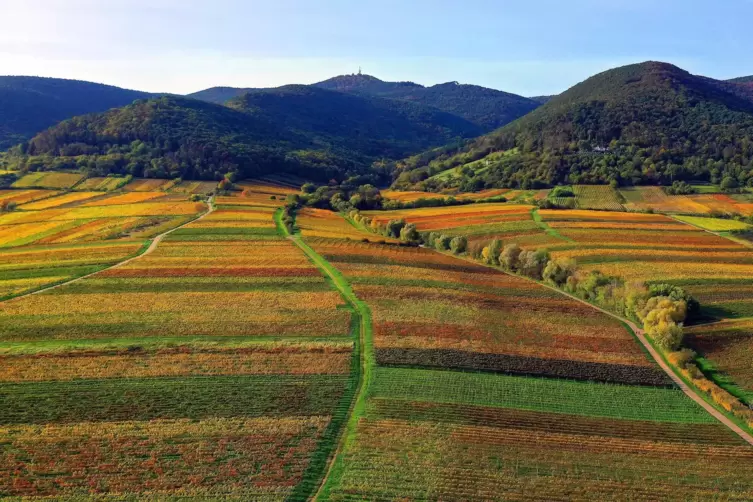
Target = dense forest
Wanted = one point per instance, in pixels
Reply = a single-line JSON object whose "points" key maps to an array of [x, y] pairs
{"points": [[487, 108], [300, 130], [220, 95], [742, 80], [649, 123], [29, 105]]}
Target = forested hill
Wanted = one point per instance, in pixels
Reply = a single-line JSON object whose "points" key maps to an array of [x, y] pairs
{"points": [[371, 127], [306, 131], [644, 123], [219, 95], [29, 105], [742, 80], [487, 108]]}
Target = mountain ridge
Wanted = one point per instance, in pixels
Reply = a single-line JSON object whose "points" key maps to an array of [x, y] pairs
{"points": [[300, 130], [29, 105], [650, 122]]}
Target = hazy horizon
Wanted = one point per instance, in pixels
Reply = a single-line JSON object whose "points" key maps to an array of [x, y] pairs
{"points": [[539, 47]]}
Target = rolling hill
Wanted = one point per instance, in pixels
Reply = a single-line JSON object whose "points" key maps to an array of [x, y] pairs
{"points": [[219, 95], [372, 127], [296, 129], [488, 108], [29, 105], [742, 80], [646, 123]]}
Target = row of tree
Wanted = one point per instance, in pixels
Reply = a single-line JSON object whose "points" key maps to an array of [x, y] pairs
{"points": [[662, 309]]}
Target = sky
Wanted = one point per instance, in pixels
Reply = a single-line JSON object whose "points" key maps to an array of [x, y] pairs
{"points": [[528, 47]]}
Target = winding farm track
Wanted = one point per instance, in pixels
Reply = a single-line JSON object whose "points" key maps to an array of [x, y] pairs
{"points": [[152, 246], [641, 336], [691, 393]]}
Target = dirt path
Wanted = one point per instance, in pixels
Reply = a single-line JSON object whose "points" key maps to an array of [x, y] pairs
{"points": [[155, 242]]}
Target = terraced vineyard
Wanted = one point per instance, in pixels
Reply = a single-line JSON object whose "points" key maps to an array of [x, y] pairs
{"points": [[655, 199], [653, 247], [479, 222], [220, 365], [429, 431], [53, 237], [232, 362]]}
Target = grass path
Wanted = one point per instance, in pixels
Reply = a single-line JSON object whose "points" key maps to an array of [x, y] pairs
{"points": [[144, 251], [546, 228], [364, 349]]}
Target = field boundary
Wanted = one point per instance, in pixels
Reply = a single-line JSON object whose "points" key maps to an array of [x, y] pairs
{"points": [[655, 355], [146, 249], [546, 228]]}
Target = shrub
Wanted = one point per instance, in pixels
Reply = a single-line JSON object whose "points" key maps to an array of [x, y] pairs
{"points": [[394, 227], [558, 271], [679, 188], [509, 257], [443, 242], [532, 263], [409, 233], [7, 206], [491, 253], [682, 358], [458, 245], [561, 191]]}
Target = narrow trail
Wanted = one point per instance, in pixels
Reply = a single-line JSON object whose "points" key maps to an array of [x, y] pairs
{"points": [[152, 246], [690, 392], [641, 336], [365, 348]]}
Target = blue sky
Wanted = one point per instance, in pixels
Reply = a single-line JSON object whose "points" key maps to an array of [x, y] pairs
{"points": [[528, 47]]}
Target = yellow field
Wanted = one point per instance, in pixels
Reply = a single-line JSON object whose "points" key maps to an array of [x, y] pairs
{"points": [[125, 198], [101, 184], [24, 196], [61, 200], [323, 223], [655, 199], [450, 211], [715, 224], [146, 185], [48, 180]]}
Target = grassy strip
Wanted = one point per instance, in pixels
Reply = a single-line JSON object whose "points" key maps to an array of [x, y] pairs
{"points": [[593, 399], [317, 475], [546, 228], [723, 380]]}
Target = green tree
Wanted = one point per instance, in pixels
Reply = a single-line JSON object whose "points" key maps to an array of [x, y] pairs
{"points": [[510, 256], [442, 242], [394, 227], [409, 233], [458, 245]]}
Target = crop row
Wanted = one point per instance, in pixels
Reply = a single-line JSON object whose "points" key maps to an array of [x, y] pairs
{"points": [[184, 361], [453, 304], [522, 365], [106, 400], [400, 459], [243, 458], [48, 179]]}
